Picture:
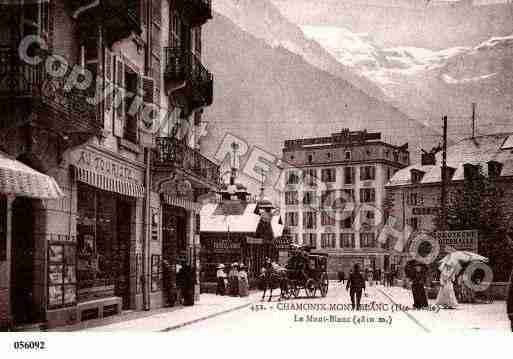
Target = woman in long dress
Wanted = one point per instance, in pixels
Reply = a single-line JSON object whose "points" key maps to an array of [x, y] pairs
{"points": [[446, 297], [419, 293], [221, 276], [243, 281]]}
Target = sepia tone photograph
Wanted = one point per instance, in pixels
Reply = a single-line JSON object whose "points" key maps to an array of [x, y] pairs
{"points": [[255, 167]]}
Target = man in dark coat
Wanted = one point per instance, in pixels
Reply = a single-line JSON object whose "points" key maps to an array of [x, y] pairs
{"points": [[356, 284], [509, 303]]}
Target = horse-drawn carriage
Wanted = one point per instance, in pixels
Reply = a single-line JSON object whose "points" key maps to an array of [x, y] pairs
{"points": [[303, 271]]}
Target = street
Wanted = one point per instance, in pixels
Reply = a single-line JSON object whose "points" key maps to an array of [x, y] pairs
{"points": [[275, 317]]}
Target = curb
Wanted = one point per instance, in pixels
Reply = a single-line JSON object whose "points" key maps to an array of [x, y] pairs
{"points": [[193, 321], [408, 314]]}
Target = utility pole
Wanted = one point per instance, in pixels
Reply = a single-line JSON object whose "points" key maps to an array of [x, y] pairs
{"points": [[444, 174], [473, 120]]}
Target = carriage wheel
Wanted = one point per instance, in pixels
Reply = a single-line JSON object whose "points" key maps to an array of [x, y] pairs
{"points": [[310, 288], [294, 289], [324, 284]]}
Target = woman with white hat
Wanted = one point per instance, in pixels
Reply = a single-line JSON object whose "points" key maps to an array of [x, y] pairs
{"points": [[233, 278], [221, 276]]}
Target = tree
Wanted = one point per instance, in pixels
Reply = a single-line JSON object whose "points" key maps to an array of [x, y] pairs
{"points": [[477, 204]]}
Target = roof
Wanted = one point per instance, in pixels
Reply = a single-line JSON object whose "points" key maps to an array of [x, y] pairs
{"points": [[234, 216], [478, 151]]}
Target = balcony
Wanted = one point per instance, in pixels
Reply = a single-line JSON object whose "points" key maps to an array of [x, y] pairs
{"points": [[28, 95], [174, 155], [187, 80], [119, 18], [197, 11]]}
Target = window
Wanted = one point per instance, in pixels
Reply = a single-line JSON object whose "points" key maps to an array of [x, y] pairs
{"points": [[175, 29], [367, 219], [328, 218], [294, 237], [291, 219], [310, 239], [367, 240], [62, 280], [309, 198], [367, 173], [389, 173], [131, 86], [348, 195], [292, 178], [414, 199], [328, 199], [347, 220], [349, 174], [310, 177], [156, 277], [347, 240], [310, 158], [328, 175], [348, 155], [367, 195], [291, 198], [414, 222], [309, 220], [328, 240]]}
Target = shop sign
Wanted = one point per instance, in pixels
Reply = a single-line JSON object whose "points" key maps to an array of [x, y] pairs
{"points": [[425, 211], [284, 243], [225, 245], [107, 167], [251, 240], [458, 240]]}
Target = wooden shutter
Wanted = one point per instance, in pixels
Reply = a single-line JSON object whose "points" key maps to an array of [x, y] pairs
{"points": [[119, 100], [108, 93], [148, 95]]}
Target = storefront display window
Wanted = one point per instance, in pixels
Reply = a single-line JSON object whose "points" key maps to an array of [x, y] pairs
{"points": [[62, 286], [103, 244], [155, 273]]}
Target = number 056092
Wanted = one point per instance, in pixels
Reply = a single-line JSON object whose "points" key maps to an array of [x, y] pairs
{"points": [[29, 345]]}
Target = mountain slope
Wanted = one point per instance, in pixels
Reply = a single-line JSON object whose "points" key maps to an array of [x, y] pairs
{"points": [[267, 95], [264, 20]]}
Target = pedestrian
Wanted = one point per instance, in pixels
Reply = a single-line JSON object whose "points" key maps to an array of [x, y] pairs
{"points": [[417, 287], [221, 275], [509, 302], [339, 276], [369, 276], [355, 285], [446, 296], [233, 278], [243, 281]]}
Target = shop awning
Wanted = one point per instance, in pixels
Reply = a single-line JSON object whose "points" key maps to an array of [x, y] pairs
{"points": [[181, 202], [108, 184], [19, 179]]}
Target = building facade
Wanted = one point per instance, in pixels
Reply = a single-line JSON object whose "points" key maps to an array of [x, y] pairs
{"points": [[105, 97], [333, 195], [415, 192]]}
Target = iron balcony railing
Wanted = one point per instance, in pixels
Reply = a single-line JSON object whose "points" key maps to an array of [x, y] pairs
{"points": [[176, 153], [182, 64], [21, 80]]}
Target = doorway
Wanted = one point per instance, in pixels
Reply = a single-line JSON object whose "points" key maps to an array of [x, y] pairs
{"points": [[22, 265]]}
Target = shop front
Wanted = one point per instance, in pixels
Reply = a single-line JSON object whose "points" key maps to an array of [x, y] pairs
{"points": [[100, 271]]}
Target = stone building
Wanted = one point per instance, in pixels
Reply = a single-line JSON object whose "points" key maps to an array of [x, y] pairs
{"points": [[104, 100], [333, 194]]}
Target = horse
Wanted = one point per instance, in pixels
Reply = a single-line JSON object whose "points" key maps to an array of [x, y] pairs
{"points": [[277, 278]]}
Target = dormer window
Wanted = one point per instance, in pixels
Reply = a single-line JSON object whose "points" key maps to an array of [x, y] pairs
{"points": [[416, 176]]}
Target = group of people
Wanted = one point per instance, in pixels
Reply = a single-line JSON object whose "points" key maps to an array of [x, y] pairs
{"points": [[234, 283], [375, 276]]}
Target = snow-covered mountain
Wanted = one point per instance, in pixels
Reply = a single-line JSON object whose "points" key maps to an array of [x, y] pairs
{"points": [[427, 83], [262, 19]]}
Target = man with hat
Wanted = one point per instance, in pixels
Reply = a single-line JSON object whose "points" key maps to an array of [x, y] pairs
{"points": [[221, 275]]}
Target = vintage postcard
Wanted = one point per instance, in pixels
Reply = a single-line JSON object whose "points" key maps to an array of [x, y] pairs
{"points": [[310, 167]]}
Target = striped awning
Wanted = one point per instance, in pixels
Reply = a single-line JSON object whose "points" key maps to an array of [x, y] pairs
{"points": [[19, 179], [108, 184], [181, 202]]}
